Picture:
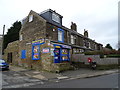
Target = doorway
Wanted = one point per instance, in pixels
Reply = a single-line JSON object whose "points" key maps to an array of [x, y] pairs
{"points": [[9, 57], [57, 57]]}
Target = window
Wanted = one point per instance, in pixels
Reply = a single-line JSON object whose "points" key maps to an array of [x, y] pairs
{"points": [[21, 37], [60, 35], [23, 54], [36, 52], [89, 44], [30, 18], [96, 46], [84, 42], [68, 37], [73, 39], [55, 18]]}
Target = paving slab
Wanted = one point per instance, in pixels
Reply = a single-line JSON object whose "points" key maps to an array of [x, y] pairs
{"points": [[72, 74]]}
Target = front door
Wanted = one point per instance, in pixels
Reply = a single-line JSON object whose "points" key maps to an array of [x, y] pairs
{"points": [[57, 57], [9, 58]]}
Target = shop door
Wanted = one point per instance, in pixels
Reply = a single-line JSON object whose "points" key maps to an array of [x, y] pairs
{"points": [[65, 55], [57, 57]]}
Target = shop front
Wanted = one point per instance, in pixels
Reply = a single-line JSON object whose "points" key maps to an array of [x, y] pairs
{"points": [[61, 53]]}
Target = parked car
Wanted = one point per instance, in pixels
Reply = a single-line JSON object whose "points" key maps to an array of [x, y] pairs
{"points": [[3, 65]]}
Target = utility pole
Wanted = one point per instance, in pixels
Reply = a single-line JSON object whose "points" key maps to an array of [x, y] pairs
{"points": [[2, 46]]}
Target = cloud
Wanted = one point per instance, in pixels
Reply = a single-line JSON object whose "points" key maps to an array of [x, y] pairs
{"points": [[98, 16]]}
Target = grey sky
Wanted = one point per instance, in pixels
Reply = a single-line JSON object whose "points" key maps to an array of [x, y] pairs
{"points": [[99, 17]]}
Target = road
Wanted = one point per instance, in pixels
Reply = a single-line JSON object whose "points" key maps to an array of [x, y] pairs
{"points": [[106, 81], [13, 79]]}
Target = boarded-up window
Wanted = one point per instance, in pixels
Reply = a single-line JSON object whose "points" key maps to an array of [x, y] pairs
{"points": [[23, 54]]}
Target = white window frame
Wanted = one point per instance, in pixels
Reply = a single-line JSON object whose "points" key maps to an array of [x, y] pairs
{"points": [[89, 45], [96, 46], [72, 39], [55, 18], [21, 37], [60, 38]]}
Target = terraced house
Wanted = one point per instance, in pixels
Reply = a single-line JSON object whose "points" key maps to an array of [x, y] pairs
{"points": [[46, 44]]}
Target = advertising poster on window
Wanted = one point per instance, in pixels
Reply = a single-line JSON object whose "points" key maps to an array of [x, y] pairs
{"points": [[57, 52], [64, 51], [64, 58], [52, 51], [65, 54], [36, 53]]}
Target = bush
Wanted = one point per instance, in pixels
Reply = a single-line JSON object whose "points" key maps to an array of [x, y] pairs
{"points": [[107, 67], [94, 53], [102, 56], [114, 56]]}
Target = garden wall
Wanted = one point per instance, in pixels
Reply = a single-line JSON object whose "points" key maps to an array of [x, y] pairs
{"points": [[101, 61]]}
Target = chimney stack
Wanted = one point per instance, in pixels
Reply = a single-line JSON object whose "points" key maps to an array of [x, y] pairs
{"points": [[73, 26], [85, 33]]}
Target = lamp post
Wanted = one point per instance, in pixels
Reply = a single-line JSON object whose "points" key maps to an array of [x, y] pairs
{"points": [[2, 46]]}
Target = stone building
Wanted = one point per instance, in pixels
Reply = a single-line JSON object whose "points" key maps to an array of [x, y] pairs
{"points": [[45, 44]]}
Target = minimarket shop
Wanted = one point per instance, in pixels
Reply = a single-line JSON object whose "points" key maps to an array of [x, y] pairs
{"points": [[60, 52]]}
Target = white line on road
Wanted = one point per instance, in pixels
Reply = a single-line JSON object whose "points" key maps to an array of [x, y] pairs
{"points": [[22, 85]]}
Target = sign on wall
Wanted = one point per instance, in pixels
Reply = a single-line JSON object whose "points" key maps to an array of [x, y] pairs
{"points": [[46, 50], [40, 41]]}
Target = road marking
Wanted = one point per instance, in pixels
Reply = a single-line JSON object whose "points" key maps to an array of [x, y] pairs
{"points": [[64, 77], [22, 85], [57, 81]]}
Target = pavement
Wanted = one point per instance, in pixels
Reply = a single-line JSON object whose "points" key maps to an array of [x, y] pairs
{"points": [[68, 75]]}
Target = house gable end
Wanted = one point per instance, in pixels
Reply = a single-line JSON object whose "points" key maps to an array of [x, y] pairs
{"points": [[33, 28]]}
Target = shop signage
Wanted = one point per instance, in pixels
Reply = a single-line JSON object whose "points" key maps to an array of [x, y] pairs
{"points": [[46, 50], [57, 46], [66, 46], [40, 41]]}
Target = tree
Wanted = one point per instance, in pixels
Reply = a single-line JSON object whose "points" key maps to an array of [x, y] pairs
{"points": [[12, 34], [119, 49], [108, 46]]}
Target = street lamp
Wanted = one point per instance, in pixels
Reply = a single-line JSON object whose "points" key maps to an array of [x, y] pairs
{"points": [[2, 46]]}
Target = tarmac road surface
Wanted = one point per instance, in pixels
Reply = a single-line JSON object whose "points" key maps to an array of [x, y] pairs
{"points": [[105, 81]]}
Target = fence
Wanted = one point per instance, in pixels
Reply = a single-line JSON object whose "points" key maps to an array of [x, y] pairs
{"points": [[96, 58]]}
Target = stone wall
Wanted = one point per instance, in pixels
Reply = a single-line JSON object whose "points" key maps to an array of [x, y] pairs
{"points": [[14, 49], [31, 31], [52, 33], [46, 61], [96, 58]]}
